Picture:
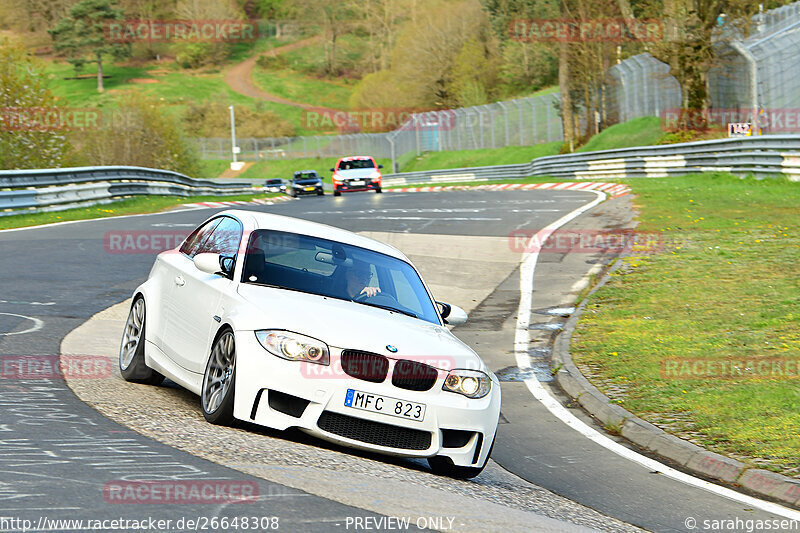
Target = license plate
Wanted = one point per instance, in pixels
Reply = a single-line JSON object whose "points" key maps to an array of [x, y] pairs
{"points": [[357, 183], [310, 188], [385, 405]]}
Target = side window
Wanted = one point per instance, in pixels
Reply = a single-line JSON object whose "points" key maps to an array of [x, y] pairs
{"points": [[224, 240], [193, 242], [405, 292]]}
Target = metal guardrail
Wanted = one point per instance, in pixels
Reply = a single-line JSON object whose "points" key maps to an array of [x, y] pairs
{"points": [[26, 191], [39, 190], [761, 156]]}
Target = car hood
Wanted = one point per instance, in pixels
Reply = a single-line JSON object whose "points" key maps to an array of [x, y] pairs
{"points": [[310, 181], [344, 324], [356, 173]]}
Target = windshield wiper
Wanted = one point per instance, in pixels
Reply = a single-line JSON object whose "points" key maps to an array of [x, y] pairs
{"points": [[389, 308]]}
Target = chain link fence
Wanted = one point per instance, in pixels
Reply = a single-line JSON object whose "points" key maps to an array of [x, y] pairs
{"points": [[640, 86], [760, 75], [521, 122], [762, 71], [756, 75]]}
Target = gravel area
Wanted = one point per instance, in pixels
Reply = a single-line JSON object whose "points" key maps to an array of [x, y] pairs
{"points": [[172, 415]]}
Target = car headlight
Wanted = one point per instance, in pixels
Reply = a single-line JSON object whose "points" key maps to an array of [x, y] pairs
{"points": [[293, 346], [375, 176], [470, 383]]}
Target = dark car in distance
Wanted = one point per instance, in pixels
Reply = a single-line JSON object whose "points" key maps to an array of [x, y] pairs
{"points": [[275, 185], [305, 182]]}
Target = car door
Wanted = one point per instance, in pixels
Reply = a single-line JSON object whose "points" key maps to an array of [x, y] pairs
{"points": [[170, 268], [195, 298]]}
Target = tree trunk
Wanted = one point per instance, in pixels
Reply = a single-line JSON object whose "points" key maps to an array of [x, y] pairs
{"points": [[567, 119], [332, 65], [100, 73], [625, 9]]}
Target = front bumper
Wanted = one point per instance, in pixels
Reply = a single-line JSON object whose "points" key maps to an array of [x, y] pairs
{"points": [[454, 426], [345, 186], [307, 190]]}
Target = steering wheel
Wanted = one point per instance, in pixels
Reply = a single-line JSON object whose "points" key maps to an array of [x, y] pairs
{"points": [[388, 299]]}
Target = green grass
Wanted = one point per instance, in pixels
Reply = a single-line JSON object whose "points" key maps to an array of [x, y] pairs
{"points": [[302, 88], [284, 168], [477, 158], [212, 168], [643, 131], [726, 286], [175, 88], [540, 92], [127, 206], [311, 59]]}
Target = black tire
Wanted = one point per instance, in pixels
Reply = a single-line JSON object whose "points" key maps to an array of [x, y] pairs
{"points": [[320, 193], [292, 193], [443, 466], [131, 351], [219, 381], [378, 190], [337, 192]]}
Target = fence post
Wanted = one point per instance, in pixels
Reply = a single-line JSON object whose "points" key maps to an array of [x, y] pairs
{"points": [[480, 125], [505, 113], [416, 132]]}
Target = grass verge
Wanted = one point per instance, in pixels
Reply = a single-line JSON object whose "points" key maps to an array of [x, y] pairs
{"points": [[702, 338], [301, 88], [478, 158], [644, 131], [282, 168], [126, 206]]}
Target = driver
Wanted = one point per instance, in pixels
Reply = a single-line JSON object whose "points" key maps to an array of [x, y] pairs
{"points": [[357, 278]]}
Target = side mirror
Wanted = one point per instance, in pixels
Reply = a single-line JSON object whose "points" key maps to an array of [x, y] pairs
{"points": [[208, 263], [227, 264], [452, 314], [214, 264], [380, 166], [332, 170]]}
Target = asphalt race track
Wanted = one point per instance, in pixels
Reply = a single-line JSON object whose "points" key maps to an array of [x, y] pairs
{"points": [[58, 454]]}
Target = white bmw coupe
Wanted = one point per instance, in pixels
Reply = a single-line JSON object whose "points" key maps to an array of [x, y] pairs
{"points": [[288, 323]]}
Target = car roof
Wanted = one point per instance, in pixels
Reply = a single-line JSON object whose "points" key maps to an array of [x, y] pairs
{"points": [[355, 158], [259, 220], [303, 171]]}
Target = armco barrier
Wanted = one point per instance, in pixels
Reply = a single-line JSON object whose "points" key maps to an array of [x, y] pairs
{"points": [[43, 190], [27, 190], [761, 156]]}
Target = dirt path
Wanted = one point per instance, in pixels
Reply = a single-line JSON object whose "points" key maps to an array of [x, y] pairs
{"points": [[239, 77]]}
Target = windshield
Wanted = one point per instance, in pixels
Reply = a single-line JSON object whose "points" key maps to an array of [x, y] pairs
{"points": [[356, 163], [274, 182], [305, 176], [329, 268]]}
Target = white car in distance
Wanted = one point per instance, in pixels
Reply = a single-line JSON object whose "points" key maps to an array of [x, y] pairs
{"points": [[287, 323]]}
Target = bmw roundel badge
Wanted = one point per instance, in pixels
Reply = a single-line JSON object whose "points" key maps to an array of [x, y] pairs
{"points": [[391, 348]]}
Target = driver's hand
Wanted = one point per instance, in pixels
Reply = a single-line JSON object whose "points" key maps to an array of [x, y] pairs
{"points": [[370, 291]]}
